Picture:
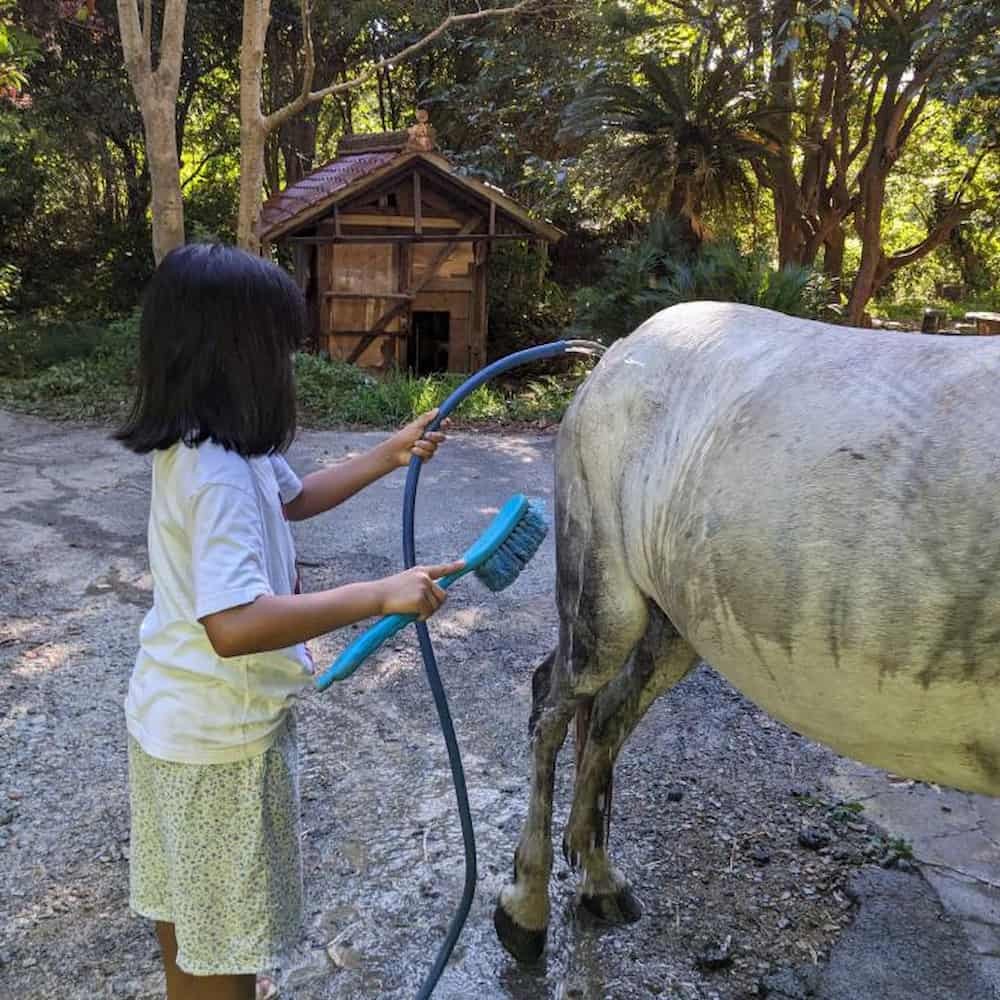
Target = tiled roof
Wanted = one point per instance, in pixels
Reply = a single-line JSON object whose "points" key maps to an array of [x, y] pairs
{"points": [[317, 186]]}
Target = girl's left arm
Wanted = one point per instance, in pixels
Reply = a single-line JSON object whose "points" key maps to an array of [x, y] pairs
{"points": [[330, 487]]}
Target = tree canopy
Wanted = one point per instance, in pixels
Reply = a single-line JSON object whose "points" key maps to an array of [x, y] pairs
{"points": [[859, 140]]}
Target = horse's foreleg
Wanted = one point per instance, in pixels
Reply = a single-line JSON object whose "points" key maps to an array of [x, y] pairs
{"points": [[521, 917]]}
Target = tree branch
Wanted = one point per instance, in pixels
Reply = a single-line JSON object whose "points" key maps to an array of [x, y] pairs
{"points": [[866, 127], [911, 120], [914, 87], [937, 236], [172, 44], [226, 147], [137, 58], [306, 97], [147, 27], [891, 13]]}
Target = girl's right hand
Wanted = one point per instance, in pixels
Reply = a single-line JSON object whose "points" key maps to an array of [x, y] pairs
{"points": [[414, 591]]}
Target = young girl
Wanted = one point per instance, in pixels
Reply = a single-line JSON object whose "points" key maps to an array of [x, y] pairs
{"points": [[212, 752]]}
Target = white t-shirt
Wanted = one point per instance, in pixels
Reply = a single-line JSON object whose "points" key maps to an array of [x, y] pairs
{"points": [[218, 538]]}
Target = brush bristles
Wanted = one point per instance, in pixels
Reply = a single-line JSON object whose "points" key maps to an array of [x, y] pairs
{"points": [[505, 565]]}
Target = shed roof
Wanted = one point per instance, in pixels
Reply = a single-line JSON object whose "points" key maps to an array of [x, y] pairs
{"points": [[298, 198], [366, 159]]}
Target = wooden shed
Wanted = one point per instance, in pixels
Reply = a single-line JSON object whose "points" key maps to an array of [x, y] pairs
{"points": [[390, 246]]}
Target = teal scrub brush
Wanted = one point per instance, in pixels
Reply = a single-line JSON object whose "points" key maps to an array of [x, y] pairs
{"points": [[497, 558]]}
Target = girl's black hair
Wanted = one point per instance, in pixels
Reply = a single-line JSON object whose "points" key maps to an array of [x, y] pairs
{"points": [[218, 329]]}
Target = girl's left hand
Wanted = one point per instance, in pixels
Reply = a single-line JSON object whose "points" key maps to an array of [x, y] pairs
{"points": [[414, 440]]}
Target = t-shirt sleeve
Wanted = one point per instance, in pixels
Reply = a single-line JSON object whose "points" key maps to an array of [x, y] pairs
{"points": [[227, 549], [289, 484]]}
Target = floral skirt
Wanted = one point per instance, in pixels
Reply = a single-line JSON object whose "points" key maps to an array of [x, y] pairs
{"points": [[215, 852]]}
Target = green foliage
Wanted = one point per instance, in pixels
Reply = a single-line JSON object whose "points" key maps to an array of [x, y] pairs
{"points": [[901, 847], [845, 812], [525, 306], [86, 370], [18, 50], [661, 270], [30, 347], [75, 370], [593, 119], [333, 393]]}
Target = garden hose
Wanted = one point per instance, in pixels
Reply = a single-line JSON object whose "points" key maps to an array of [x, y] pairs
{"points": [[427, 650]]}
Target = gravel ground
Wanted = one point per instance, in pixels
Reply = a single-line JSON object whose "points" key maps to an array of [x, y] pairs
{"points": [[742, 861]]}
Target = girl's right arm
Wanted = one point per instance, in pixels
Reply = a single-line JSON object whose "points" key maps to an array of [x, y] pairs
{"points": [[273, 622]]}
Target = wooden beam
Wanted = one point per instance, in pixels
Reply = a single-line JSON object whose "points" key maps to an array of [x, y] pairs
{"points": [[367, 295], [336, 220], [423, 238], [418, 213], [439, 284], [370, 219], [493, 219], [364, 333], [393, 311]]}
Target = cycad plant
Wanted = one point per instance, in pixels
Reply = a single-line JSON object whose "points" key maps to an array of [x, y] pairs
{"points": [[687, 135]]}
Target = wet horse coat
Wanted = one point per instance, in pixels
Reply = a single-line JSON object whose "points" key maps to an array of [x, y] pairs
{"points": [[810, 509]]}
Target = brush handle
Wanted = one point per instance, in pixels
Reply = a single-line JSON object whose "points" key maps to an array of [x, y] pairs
{"points": [[370, 640], [483, 549]]}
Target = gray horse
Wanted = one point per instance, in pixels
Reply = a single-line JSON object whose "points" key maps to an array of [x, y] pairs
{"points": [[811, 509]]}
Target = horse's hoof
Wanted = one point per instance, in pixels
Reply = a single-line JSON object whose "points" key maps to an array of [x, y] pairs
{"points": [[622, 907], [525, 945]]}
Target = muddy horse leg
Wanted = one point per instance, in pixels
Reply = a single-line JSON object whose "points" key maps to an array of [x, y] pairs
{"points": [[602, 616], [521, 918], [581, 665], [660, 660]]}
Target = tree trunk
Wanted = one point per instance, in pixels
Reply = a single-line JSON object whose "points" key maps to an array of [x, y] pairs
{"points": [[164, 175], [833, 257], [156, 92], [872, 183], [252, 139], [683, 207], [784, 185], [870, 230], [253, 128]]}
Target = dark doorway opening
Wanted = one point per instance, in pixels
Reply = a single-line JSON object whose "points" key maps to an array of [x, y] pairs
{"points": [[427, 347]]}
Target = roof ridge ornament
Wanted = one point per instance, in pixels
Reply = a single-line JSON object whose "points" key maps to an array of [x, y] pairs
{"points": [[421, 136]]}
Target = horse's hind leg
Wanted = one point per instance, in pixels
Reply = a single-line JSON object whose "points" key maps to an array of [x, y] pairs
{"points": [[660, 660], [602, 616]]}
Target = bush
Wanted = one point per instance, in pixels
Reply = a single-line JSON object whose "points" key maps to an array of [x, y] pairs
{"points": [[70, 369], [97, 383], [30, 347], [525, 306], [335, 392], [660, 270]]}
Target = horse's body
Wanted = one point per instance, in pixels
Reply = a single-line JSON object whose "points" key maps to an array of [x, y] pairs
{"points": [[813, 511]]}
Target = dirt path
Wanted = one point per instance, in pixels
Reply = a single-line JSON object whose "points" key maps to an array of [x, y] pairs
{"points": [[711, 794]]}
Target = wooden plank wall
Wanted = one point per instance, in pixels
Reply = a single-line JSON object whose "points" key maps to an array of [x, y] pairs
{"points": [[362, 269], [365, 270]]}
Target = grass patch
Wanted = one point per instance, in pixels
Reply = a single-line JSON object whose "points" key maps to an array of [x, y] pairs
{"points": [[80, 372], [333, 393]]}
